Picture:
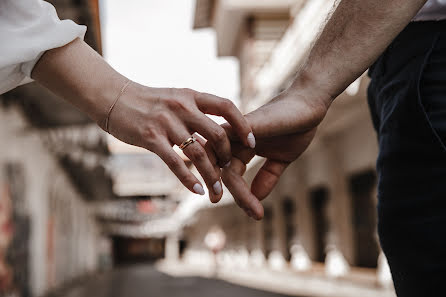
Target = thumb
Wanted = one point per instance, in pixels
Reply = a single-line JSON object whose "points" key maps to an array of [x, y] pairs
{"points": [[267, 178]]}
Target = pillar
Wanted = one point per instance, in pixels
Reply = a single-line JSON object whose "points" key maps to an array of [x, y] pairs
{"points": [[340, 250], [257, 257], [172, 248], [276, 258], [300, 260]]}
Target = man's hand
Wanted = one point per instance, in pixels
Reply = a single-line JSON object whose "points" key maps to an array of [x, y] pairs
{"points": [[356, 34], [284, 128], [279, 151]]}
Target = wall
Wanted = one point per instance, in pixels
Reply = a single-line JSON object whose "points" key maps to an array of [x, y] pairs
{"points": [[51, 223]]}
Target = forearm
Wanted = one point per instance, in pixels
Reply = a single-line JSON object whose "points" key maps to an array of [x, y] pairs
{"points": [[355, 35], [78, 74]]}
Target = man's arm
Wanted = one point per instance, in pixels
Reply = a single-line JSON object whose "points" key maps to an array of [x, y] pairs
{"points": [[357, 32], [355, 35], [353, 38]]}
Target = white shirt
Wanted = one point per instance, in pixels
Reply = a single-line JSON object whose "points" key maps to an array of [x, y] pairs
{"points": [[433, 10], [28, 28]]}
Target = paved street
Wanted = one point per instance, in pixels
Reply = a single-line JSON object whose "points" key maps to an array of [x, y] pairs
{"points": [[145, 281], [286, 281]]}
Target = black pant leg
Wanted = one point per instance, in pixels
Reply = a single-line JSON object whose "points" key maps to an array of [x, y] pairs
{"points": [[408, 98]]}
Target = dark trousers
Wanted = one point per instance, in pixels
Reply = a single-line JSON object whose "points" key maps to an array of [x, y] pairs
{"points": [[407, 98]]}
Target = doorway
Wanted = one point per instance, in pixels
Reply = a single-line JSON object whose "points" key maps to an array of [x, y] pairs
{"points": [[362, 188], [319, 198]]}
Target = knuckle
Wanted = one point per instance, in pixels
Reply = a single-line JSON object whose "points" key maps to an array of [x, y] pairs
{"points": [[229, 178], [188, 92], [226, 178], [227, 105], [198, 154], [220, 134], [186, 177], [172, 161], [172, 102], [178, 105], [149, 135], [163, 117]]}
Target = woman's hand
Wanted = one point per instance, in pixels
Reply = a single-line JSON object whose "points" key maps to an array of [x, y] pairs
{"points": [[151, 118], [157, 119]]}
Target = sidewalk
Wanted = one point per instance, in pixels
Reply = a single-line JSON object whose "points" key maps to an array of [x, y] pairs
{"points": [[359, 282]]}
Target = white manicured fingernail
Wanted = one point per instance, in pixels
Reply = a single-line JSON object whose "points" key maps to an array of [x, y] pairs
{"points": [[228, 164], [217, 188], [198, 189], [251, 140]]}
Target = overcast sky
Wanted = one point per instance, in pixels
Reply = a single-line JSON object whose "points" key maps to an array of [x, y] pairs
{"points": [[152, 42]]}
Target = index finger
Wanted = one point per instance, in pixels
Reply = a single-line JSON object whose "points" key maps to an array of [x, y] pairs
{"points": [[215, 105], [233, 179]]}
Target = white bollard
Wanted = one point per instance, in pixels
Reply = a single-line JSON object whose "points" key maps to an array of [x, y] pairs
{"points": [[383, 272], [300, 261], [276, 260], [257, 258], [335, 263]]}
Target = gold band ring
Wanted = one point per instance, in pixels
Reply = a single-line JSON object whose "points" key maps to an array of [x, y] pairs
{"points": [[186, 143]]}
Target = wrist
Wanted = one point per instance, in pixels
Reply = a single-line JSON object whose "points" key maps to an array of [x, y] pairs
{"points": [[315, 89], [103, 96], [124, 96], [293, 111]]}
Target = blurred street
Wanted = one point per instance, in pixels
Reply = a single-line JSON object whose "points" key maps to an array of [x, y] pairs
{"points": [[146, 281]]}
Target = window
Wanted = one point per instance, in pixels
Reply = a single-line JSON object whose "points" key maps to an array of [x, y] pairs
{"points": [[288, 210], [362, 187], [319, 206]]}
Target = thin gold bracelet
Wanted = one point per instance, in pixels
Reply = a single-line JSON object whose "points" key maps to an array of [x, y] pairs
{"points": [[107, 119]]}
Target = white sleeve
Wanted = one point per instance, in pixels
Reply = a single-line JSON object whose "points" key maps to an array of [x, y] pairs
{"points": [[28, 28]]}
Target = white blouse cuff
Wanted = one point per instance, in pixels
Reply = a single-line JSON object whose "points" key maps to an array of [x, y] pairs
{"points": [[62, 34]]}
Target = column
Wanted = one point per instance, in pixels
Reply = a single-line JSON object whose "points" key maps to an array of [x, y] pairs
{"points": [[340, 251], [276, 258], [257, 251], [172, 248], [300, 260]]}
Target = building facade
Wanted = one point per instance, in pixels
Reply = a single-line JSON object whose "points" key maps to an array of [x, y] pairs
{"points": [[52, 166]]}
